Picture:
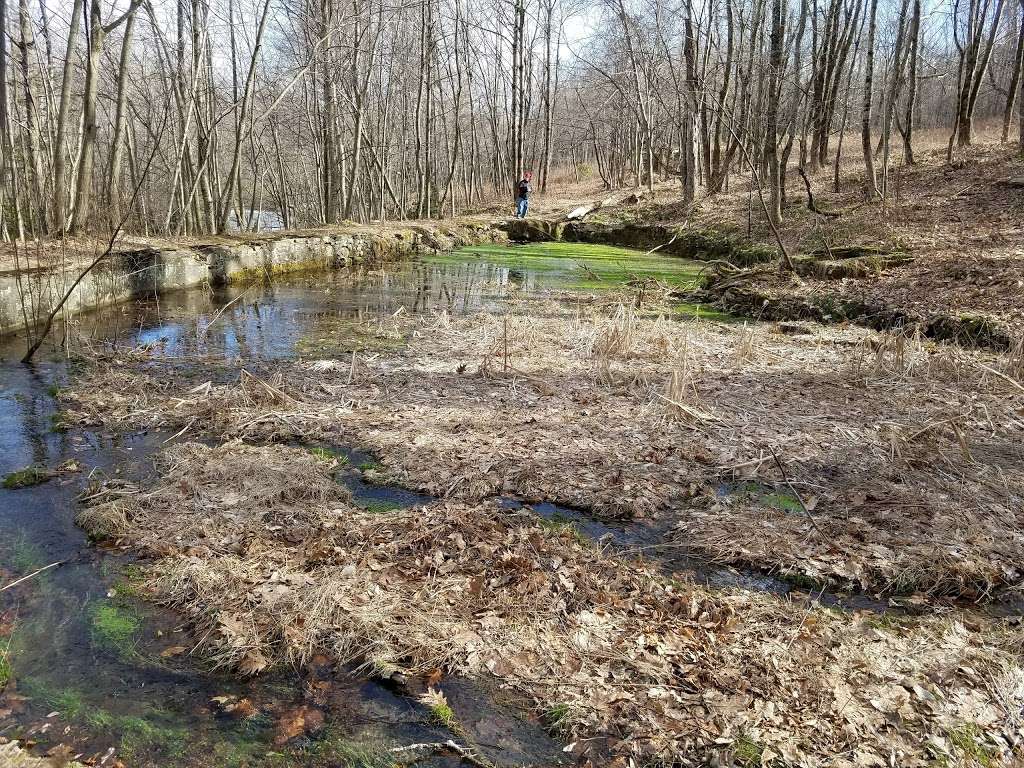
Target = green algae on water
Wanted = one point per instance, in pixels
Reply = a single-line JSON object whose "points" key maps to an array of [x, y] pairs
{"points": [[116, 627], [333, 337], [581, 266]]}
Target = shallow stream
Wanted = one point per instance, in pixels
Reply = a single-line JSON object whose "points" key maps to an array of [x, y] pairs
{"points": [[92, 666]]}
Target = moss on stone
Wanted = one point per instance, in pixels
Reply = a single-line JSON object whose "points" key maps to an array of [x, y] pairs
{"points": [[29, 476]]}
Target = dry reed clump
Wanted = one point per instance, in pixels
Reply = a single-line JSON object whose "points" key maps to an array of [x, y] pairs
{"points": [[108, 519], [1013, 362], [891, 356], [642, 665], [746, 344], [483, 405], [282, 484], [897, 544]]}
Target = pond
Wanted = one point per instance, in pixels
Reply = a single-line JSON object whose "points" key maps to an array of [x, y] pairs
{"points": [[92, 665]]}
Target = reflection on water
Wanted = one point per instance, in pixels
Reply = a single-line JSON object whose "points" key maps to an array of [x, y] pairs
{"points": [[266, 320]]}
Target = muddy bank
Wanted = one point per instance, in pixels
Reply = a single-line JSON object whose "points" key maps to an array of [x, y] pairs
{"points": [[770, 295], [27, 297]]}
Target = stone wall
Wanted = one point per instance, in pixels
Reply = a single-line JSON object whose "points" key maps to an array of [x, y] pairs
{"points": [[27, 297]]}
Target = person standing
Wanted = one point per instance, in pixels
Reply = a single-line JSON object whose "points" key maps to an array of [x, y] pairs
{"points": [[523, 190]]}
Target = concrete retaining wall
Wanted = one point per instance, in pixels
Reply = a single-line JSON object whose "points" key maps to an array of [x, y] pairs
{"points": [[27, 297]]}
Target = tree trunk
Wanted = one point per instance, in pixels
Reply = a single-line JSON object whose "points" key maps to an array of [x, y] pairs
{"points": [[870, 184], [61, 184], [771, 141], [1018, 64], [113, 192], [908, 130], [86, 149]]}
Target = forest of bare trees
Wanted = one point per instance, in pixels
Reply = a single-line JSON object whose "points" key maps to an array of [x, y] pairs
{"points": [[205, 116]]}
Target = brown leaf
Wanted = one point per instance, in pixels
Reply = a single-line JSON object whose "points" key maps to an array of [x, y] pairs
{"points": [[296, 722], [252, 663]]}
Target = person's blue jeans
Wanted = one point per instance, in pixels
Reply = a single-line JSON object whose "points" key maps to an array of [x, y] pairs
{"points": [[521, 205]]}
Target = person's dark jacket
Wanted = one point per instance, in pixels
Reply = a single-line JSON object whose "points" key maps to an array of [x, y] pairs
{"points": [[523, 190]]}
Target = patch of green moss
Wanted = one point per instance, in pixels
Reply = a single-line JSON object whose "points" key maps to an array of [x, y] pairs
{"points": [[231, 754], [787, 502], [370, 465], [5, 665], [116, 627], [344, 752], [140, 735], [131, 582], [969, 740], [24, 478], [562, 527], [329, 454], [68, 701], [747, 752], [765, 494], [150, 732], [379, 506], [58, 422], [53, 390], [442, 714]]}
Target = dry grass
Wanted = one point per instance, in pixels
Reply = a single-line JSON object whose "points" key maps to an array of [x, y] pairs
{"points": [[272, 565], [911, 451]]}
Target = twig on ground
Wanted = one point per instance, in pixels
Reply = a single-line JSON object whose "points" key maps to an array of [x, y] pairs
{"points": [[419, 751], [795, 492], [36, 572], [1003, 376]]}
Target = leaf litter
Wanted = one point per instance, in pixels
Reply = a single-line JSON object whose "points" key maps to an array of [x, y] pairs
{"points": [[906, 459]]}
